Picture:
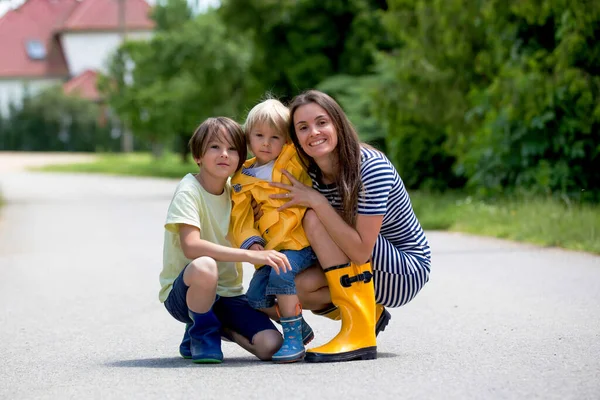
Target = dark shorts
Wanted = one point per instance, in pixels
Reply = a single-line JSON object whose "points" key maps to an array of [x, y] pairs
{"points": [[233, 312]]}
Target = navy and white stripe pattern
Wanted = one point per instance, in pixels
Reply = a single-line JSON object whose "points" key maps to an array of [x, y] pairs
{"points": [[251, 240], [250, 170], [401, 258]]}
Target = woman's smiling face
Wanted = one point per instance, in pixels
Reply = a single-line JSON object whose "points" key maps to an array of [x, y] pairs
{"points": [[315, 130]]}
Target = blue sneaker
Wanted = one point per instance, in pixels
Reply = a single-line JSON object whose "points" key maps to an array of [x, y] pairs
{"points": [[292, 349]]}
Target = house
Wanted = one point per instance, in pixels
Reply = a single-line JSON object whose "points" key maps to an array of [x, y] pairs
{"points": [[51, 42]]}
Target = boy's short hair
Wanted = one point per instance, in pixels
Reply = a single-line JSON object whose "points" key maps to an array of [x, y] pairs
{"points": [[212, 129], [272, 112]]}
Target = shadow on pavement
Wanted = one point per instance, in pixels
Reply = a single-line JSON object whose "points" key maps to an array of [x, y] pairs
{"points": [[178, 362], [386, 355]]}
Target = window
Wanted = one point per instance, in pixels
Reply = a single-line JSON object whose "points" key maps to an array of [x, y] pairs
{"points": [[35, 49]]}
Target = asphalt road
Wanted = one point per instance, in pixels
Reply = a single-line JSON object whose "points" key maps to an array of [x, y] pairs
{"points": [[80, 318]]}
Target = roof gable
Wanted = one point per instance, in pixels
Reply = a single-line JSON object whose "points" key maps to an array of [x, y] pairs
{"points": [[41, 20], [34, 20], [83, 85]]}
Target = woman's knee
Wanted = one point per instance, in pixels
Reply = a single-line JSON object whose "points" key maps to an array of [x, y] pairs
{"points": [[266, 343], [311, 279], [201, 271], [312, 289], [311, 224]]}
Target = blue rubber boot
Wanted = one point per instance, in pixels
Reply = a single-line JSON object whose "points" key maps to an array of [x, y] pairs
{"points": [[292, 349], [307, 333], [186, 343], [205, 335], [185, 347]]}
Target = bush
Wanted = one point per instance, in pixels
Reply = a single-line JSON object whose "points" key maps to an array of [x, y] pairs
{"points": [[539, 118], [503, 95], [53, 121]]}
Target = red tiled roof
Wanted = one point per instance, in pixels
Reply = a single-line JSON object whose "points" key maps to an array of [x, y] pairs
{"points": [[34, 20], [94, 15], [83, 85], [43, 19]]}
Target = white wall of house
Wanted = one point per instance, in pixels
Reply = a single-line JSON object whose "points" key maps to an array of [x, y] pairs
{"points": [[91, 50], [13, 90]]}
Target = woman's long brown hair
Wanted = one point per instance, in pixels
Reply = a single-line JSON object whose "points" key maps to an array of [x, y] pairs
{"points": [[347, 152]]}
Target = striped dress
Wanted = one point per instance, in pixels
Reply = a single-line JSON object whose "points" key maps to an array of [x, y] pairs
{"points": [[401, 258]]}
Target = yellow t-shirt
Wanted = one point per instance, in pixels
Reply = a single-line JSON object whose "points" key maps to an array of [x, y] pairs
{"points": [[192, 205]]}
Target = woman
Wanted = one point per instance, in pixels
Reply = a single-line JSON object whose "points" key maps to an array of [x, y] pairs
{"points": [[360, 224]]}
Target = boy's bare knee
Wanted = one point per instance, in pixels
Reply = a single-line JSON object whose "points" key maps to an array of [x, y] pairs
{"points": [[202, 270], [266, 343]]}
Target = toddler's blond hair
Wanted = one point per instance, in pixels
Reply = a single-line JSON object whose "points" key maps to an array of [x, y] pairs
{"points": [[272, 112]]}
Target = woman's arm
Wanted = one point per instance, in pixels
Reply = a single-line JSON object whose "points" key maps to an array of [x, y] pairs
{"points": [[194, 246], [357, 243]]}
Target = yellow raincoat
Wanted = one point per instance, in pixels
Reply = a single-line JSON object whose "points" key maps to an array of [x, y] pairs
{"points": [[280, 230]]}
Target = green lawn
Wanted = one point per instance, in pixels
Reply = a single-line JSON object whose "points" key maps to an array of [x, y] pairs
{"points": [[542, 221], [546, 222], [134, 164]]}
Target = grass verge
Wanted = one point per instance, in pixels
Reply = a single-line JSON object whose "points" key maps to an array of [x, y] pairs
{"points": [[542, 221], [133, 164]]}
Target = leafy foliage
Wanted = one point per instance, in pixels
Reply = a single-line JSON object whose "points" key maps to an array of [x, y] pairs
{"points": [[539, 118], [353, 94], [421, 98], [298, 44], [191, 70], [53, 121], [502, 94], [495, 96]]}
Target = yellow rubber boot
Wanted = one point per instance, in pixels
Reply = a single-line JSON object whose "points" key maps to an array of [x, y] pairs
{"points": [[382, 316], [352, 291], [331, 312]]}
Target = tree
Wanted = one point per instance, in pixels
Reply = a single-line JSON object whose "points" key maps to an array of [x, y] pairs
{"points": [[53, 121], [502, 94], [179, 78], [354, 95], [298, 44], [539, 118], [422, 90]]}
